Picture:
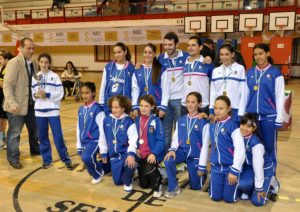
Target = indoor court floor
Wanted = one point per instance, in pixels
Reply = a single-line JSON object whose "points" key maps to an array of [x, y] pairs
{"points": [[33, 189]]}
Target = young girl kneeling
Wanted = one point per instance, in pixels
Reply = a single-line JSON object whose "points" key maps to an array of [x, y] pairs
{"points": [[189, 145], [151, 145]]}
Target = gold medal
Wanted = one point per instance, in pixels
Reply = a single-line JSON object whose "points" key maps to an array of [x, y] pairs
{"points": [[146, 89], [114, 141], [173, 79], [255, 87], [189, 82], [188, 141], [224, 93]]}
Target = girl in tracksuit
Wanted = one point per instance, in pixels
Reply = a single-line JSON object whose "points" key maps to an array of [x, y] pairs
{"points": [[228, 79], [121, 138], [264, 96], [47, 92], [257, 180], [89, 125], [227, 154], [151, 145], [149, 79], [189, 145], [117, 76]]}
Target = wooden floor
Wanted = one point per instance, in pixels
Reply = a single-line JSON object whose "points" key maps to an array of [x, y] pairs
{"points": [[58, 189]]}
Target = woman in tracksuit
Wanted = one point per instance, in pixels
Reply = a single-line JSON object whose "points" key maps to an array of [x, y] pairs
{"points": [[47, 92], [117, 76], [89, 125], [190, 145], [151, 145], [228, 79], [121, 138], [264, 96], [257, 180], [149, 79], [227, 154]]}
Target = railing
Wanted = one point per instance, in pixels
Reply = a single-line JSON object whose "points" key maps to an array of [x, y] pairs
{"points": [[150, 10]]}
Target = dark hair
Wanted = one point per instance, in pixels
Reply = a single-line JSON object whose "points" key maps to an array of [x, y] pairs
{"points": [[195, 94], [89, 85], [46, 55], [6, 55], [156, 66], [224, 99], [172, 36], [194, 37], [22, 41], [76, 73], [266, 49], [228, 47], [209, 41], [124, 102], [250, 119], [151, 100], [125, 49]]}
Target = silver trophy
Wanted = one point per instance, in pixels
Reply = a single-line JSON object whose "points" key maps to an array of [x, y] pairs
{"points": [[38, 78]]}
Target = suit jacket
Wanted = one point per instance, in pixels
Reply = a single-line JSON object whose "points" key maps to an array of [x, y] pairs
{"points": [[16, 85]]}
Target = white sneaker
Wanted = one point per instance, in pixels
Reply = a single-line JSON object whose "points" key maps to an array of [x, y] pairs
{"points": [[158, 193], [128, 188], [244, 196], [171, 194], [275, 185], [96, 181]]}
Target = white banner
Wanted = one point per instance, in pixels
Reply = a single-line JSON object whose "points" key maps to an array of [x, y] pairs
{"points": [[101, 36]]}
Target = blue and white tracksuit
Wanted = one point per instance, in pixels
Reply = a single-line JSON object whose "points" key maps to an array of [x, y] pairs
{"points": [[174, 68], [121, 138], [47, 112], [142, 85], [264, 96], [230, 81], [89, 125], [116, 80], [192, 150], [258, 170], [227, 156], [196, 78]]}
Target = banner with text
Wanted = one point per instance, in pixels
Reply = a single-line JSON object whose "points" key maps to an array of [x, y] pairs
{"points": [[101, 36]]}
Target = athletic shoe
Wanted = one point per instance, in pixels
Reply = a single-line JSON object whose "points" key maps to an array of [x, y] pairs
{"points": [[158, 193], [275, 185], [128, 188], [171, 194], [46, 165], [69, 165], [96, 181], [244, 196]]}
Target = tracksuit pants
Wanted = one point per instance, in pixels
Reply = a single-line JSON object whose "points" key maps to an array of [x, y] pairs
{"points": [[246, 183], [89, 158], [195, 181], [268, 132], [45, 145], [220, 188], [121, 173]]}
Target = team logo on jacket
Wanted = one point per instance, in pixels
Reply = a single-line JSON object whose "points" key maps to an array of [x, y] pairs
{"points": [[121, 126], [151, 129], [223, 130], [269, 76], [91, 114]]}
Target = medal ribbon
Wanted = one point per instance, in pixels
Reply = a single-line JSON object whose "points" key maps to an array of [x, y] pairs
{"points": [[261, 73], [189, 126], [218, 129], [146, 76], [225, 78], [115, 129], [142, 128]]}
